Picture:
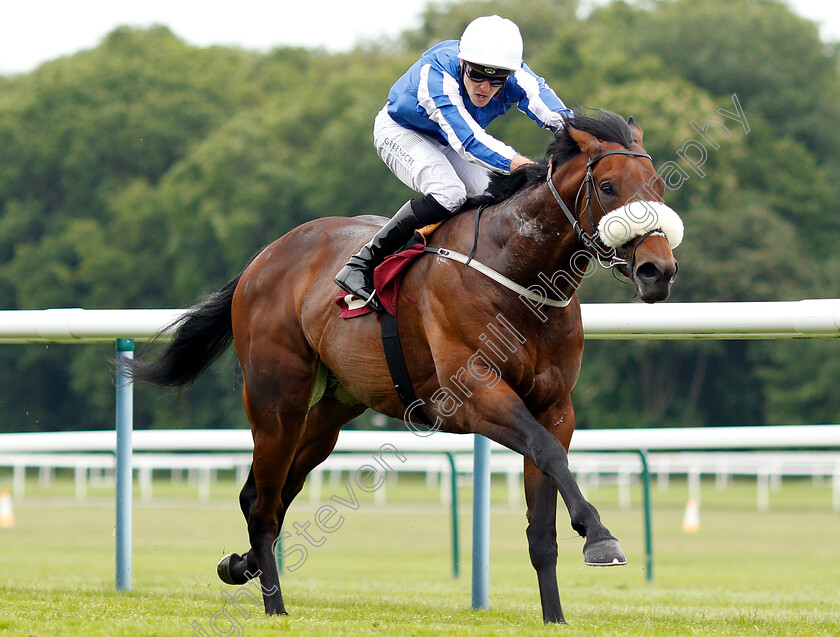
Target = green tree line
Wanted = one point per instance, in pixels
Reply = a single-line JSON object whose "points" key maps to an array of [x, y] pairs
{"points": [[145, 172]]}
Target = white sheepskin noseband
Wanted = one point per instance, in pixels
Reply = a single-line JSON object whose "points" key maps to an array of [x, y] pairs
{"points": [[636, 218]]}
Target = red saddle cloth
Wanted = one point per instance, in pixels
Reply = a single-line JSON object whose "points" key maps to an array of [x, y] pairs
{"points": [[386, 279]]}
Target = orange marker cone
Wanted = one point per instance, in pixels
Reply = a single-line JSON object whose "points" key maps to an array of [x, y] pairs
{"points": [[7, 516], [691, 518]]}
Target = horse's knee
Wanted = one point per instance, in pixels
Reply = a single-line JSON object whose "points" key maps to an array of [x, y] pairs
{"points": [[261, 521], [542, 545], [586, 521], [247, 497], [245, 503]]}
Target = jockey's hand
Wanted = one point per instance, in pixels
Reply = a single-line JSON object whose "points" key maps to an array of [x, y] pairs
{"points": [[518, 161]]}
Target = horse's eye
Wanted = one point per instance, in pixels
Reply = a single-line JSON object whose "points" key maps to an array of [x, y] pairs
{"points": [[608, 188]]}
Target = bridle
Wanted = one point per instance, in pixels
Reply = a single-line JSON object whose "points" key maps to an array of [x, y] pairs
{"points": [[592, 242]]}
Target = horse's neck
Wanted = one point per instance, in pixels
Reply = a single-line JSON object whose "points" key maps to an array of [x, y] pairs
{"points": [[528, 238]]}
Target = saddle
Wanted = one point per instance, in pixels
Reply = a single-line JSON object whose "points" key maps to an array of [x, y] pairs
{"points": [[387, 277]]}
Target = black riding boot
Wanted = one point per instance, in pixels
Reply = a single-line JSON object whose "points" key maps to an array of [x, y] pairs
{"points": [[357, 276]]}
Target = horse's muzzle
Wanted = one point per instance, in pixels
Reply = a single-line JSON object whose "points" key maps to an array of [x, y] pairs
{"points": [[653, 279]]}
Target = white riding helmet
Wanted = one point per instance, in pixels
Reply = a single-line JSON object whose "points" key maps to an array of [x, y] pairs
{"points": [[492, 41]]}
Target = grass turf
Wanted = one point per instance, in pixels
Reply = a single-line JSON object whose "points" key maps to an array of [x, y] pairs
{"points": [[387, 570]]}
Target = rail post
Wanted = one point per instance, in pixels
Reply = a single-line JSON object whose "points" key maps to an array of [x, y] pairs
{"points": [[646, 508], [124, 426], [453, 478], [481, 524]]}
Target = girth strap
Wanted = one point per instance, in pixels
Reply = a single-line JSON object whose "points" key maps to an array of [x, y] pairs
{"points": [[396, 366]]}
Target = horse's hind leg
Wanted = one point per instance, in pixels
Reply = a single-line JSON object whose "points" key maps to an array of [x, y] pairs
{"points": [[322, 426], [323, 423], [276, 403], [237, 569]]}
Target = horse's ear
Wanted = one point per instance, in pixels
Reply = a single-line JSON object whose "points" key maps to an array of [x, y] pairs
{"points": [[589, 144], [636, 130]]}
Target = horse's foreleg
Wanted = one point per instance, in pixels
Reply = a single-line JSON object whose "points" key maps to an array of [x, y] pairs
{"points": [[541, 497], [501, 416], [549, 456]]}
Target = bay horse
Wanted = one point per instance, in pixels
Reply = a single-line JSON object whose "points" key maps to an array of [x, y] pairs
{"points": [[539, 227]]}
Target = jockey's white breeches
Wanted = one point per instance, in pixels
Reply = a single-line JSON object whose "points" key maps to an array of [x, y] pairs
{"points": [[427, 166]]}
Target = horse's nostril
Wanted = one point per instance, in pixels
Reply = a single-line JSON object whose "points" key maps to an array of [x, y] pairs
{"points": [[648, 272]]}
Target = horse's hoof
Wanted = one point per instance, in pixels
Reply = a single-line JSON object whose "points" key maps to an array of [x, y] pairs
{"points": [[604, 553], [223, 569]]}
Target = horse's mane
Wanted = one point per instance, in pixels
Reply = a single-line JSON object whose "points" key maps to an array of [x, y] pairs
{"points": [[605, 125]]}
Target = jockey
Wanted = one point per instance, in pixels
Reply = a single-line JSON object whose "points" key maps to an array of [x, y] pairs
{"points": [[431, 133]]}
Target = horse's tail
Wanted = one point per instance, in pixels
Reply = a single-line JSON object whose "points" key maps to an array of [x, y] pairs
{"points": [[202, 334]]}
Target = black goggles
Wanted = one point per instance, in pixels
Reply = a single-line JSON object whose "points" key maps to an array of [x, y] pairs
{"points": [[496, 77]]}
